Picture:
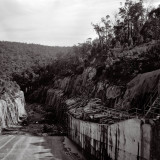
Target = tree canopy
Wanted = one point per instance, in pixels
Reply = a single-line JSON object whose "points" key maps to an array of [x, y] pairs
{"points": [[133, 25]]}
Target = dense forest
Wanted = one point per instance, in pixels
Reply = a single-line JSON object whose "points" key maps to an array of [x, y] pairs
{"points": [[19, 57], [27, 63]]}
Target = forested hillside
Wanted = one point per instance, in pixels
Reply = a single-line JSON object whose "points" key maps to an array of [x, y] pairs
{"points": [[16, 58]]}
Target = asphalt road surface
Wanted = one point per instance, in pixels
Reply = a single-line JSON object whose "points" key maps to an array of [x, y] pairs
{"points": [[26, 147]]}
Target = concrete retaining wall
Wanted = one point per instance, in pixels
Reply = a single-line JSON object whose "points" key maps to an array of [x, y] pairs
{"points": [[127, 140]]}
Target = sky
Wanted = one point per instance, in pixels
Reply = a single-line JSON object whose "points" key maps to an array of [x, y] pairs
{"points": [[54, 22]]}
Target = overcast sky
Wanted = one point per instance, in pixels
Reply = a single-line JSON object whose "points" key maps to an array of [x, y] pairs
{"points": [[53, 22]]}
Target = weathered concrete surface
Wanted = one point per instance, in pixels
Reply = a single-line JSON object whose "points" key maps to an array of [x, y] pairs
{"points": [[127, 140], [25, 147], [89, 136]]}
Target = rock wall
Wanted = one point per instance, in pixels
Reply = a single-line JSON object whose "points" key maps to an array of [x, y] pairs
{"points": [[12, 104], [87, 87], [90, 84], [139, 89], [84, 85]]}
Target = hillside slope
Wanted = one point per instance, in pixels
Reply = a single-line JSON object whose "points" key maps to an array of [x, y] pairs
{"points": [[119, 87], [18, 57]]}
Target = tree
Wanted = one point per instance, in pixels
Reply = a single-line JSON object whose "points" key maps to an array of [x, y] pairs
{"points": [[99, 31], [83, 49], [154, 17], [104, 31], [151, 28], [107, 30], [132, 19]]}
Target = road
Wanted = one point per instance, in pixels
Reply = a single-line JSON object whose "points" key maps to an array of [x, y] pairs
{"points": [[27, 147]]}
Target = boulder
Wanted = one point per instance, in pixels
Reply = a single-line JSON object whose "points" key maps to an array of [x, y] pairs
{"points": [[113, 92], [81, 108], [140, 88]]}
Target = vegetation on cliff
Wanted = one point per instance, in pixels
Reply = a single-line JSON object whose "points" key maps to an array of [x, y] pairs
{"points": [[126, 45]]}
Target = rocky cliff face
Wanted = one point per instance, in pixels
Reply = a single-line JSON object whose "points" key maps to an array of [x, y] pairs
{"points": [[89, 93], [140, 89], [85, 85], [83, 94], [12, 104]]}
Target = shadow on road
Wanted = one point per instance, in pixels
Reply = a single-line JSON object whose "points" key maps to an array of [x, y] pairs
{"points": [[57, 148]]}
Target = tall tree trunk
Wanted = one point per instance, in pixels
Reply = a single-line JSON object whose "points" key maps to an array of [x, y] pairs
{"points": [[128, 30]]}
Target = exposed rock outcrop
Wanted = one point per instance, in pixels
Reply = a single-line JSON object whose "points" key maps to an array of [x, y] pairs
{"points": [[139, 89], [86, 95], [82, 108], [54, 97], [12, 104], [84, 85]]}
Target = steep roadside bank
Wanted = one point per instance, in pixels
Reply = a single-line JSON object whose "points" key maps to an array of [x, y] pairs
{"points": [[89, 100], [17, 117], [39, 123], [12, 104], [86, 89]]}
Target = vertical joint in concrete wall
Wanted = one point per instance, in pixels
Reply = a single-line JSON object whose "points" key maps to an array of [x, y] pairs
{"points": [[155, 142], [130, 139]]}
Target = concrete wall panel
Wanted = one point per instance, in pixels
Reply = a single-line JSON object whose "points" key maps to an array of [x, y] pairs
{"points": [[126, 140]]}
